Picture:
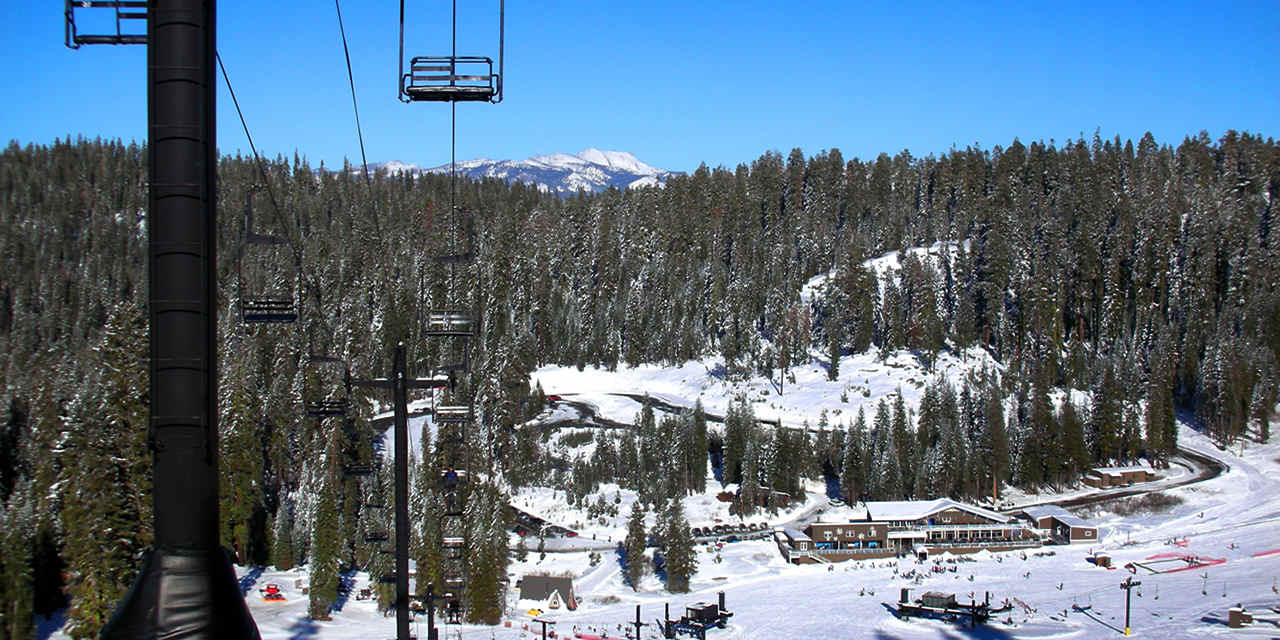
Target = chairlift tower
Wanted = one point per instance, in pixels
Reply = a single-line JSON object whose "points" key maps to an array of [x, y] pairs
{"points": [[398, 383], [186, 587]]}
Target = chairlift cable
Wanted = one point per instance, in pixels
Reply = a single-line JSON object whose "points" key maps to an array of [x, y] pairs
{"points": [[262, 169], [252, 147], [351, 81]]}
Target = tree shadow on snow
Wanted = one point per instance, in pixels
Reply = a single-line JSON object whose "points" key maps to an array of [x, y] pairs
{"points": [[303, 628], [250, 579], [954, 632], [46, 626], [346, 582]]}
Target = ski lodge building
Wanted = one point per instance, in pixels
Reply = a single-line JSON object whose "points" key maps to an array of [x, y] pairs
{"points": [[887, 529], [1058, 524], [1107, 477]]}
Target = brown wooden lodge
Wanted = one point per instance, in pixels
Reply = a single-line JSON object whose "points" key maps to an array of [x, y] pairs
{"points": [[1107, 477], [1058, 525], [900, 527]]}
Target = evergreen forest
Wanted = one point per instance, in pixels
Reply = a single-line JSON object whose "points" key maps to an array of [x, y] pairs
{"points": [[1116, 284]]}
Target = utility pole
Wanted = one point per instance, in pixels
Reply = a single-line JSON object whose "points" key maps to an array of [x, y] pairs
{"points": [[544, 626], [637, 624], [186, 587], [399, 384], [431, 612], [1128, 586]]}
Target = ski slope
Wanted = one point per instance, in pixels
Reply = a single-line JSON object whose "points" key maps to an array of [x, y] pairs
{"points": [[1232, 517]]}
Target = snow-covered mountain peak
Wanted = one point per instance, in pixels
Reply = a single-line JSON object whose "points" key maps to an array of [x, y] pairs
{"points": [[590, 170], [620, 160]]}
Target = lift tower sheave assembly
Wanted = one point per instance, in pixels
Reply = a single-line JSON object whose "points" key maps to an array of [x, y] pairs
{"points": [[187, 587]]}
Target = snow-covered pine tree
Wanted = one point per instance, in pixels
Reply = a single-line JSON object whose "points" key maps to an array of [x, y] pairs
{"points": [[633, 545], [17, 597], [885, 477], [106, 476], [326, 542], [240, 462], [427, 505], [904, 442], [698, 450], [752, 470], [679, 558], [282, 548], [853, 471], [487, 527]]}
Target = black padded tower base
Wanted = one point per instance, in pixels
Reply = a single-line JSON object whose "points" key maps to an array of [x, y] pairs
{"points": [[183, 596]]}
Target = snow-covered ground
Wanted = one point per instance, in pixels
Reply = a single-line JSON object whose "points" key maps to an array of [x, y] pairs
{"points": [[1232, 517], [863, 381]]}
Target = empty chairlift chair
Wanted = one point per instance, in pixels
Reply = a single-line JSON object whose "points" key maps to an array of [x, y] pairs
{"points": [[453, 413], [466, 238], [268, 298], [359, 469], [129, 17], [452, 78], [327, 386], [450, 324], [267, 275]]}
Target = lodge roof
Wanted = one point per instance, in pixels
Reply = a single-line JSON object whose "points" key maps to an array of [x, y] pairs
{"points": [[1056, 512], [541, 587], [1043, 511], [896, 510]]}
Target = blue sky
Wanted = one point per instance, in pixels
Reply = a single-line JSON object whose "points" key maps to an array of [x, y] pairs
{"points": [[678, 83]]}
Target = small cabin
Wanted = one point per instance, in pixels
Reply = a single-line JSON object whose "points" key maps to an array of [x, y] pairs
{"points": [[1057, 523], [552, 591], [1107, 477]]}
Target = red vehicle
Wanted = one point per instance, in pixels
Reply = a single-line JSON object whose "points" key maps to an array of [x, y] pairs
{"points": [[271, 592]]}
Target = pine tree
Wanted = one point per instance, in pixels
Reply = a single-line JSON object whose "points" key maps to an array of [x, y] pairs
{"points": [[1075, 452], [241, 469], [679, 559], [106, 476], [487, 560], [17, 597], [994, 435], [325, 548], [698, 449], [282, 549], [886, 478], [752, 471], [1105, 419], [634, 544], [904, 441], [853, 471]]}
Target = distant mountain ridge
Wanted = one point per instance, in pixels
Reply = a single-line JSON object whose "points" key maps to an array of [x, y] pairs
{"points": [[591, 170]]}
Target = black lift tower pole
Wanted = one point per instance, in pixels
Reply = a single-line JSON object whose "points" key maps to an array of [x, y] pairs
{"points": [[399, 384], [187, 588]]}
